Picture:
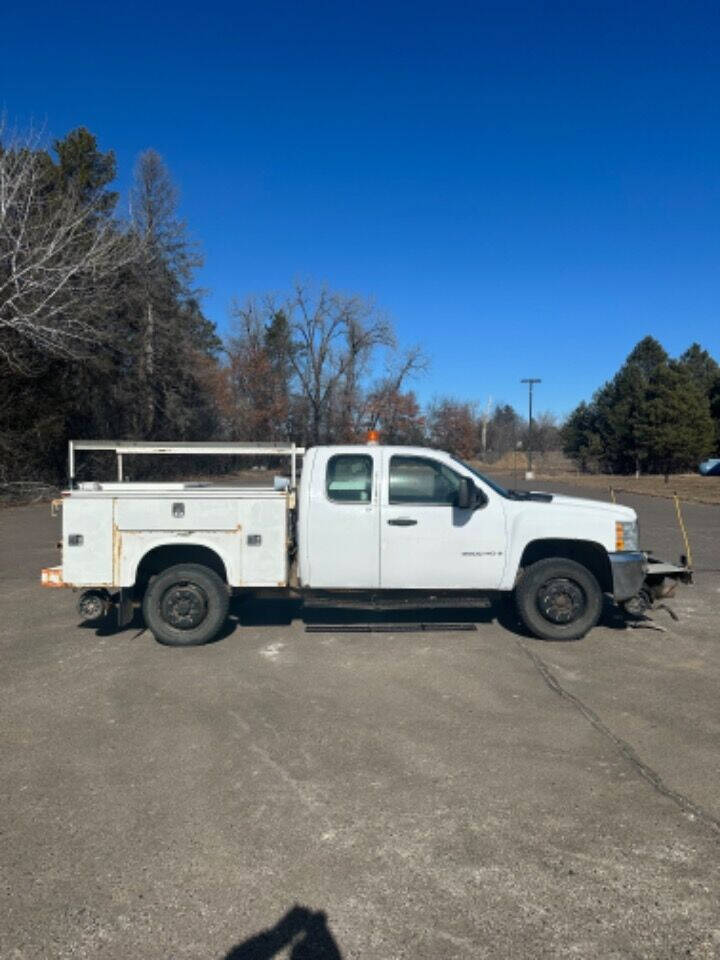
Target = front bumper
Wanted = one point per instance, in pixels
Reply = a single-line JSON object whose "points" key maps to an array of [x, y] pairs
{"points": [[628, 569], [633, 571]]}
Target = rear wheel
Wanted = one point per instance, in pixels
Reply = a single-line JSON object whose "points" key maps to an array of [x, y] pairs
{"points": [[186, 605], [558, 599]]}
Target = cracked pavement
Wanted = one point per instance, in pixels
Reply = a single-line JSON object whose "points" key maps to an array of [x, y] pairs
{"points": [[455, 795]]}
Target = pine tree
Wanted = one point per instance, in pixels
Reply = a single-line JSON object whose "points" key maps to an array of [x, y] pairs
{"points": [[581, 439], [677, 430], [703, 369], [654, 415]]}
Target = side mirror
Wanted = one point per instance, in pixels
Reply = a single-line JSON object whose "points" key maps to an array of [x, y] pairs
{"points": [[469, 497], [466, 493]]}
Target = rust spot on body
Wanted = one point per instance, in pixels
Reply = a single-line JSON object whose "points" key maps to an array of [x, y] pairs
{"points": [[117, 547]]}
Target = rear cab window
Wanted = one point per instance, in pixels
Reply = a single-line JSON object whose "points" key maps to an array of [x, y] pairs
{"points": [[349, 478]]}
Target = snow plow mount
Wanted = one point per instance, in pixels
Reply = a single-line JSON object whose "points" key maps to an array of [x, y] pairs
{"points": [[657, 572], [661, 580]]}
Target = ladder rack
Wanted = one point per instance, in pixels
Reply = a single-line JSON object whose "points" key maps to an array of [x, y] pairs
{"points": [[123, 448]]}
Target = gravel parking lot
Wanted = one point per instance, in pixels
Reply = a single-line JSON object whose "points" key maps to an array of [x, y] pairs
{"points": [[401, 795]]}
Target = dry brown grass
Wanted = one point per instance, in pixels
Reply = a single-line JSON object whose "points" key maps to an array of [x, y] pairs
{"points": [[551, 462], [690, 487], [687, 486]]}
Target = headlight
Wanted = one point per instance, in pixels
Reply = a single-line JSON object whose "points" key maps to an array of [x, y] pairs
{"points": [[627, 536]]}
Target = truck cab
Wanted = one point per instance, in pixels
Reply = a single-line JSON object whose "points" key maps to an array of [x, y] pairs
{"points": [[372, 517], [413, 519]]}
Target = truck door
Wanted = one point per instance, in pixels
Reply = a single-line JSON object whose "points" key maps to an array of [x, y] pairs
{"points": [[426, 540], [344, 518]]}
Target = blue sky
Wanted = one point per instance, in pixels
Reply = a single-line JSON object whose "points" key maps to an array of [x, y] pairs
{"points": [[526, 188]]}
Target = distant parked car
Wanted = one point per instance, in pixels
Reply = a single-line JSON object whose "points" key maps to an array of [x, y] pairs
{"points": [[710, 468]]}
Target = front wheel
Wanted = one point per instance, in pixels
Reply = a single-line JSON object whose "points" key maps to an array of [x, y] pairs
{"points": [[558, 599], [186, 605]]}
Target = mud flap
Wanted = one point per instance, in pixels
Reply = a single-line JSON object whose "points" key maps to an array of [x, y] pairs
{"points": [[125, 608]]}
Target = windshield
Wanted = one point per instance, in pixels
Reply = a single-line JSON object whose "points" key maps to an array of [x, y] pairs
{"points": [[493, 486]]}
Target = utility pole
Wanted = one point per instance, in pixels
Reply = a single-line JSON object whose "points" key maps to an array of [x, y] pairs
{"points": [[530, 381]]}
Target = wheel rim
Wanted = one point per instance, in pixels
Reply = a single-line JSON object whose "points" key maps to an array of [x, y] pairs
{"points": [[184, 605], [561, 600]]}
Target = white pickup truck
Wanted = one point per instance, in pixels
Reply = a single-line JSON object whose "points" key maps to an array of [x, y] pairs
{"points": [[363, 522]]}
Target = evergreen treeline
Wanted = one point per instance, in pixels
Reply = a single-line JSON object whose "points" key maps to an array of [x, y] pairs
{"points": [[657, 415]]}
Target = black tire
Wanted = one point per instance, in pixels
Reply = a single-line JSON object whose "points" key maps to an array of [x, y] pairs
{"points": [[558, 599], [186, 605]]}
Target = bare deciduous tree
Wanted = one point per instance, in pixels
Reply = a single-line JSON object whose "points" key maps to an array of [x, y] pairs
{"points": [[259, 373], [389, 408], [453, 425], [303, 366], [58, 254], [335, 338]]}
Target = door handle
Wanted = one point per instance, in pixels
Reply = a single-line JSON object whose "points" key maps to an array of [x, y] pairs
{"points": [[402, 522]]}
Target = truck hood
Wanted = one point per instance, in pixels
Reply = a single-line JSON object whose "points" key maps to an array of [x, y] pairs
{"points": [[618, 511]]}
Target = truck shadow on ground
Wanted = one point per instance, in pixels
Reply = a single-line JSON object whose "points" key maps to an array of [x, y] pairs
{"points": [[258, 612], [304, 931]]}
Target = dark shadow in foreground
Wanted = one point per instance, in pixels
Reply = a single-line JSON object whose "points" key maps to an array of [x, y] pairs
{"points": [[305, 931]]}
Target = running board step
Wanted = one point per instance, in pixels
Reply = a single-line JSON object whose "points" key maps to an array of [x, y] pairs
{"points": [[317, 601], [387, 627]]}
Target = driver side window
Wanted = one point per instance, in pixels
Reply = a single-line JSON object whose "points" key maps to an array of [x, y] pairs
{"points": [[423, 481]]}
